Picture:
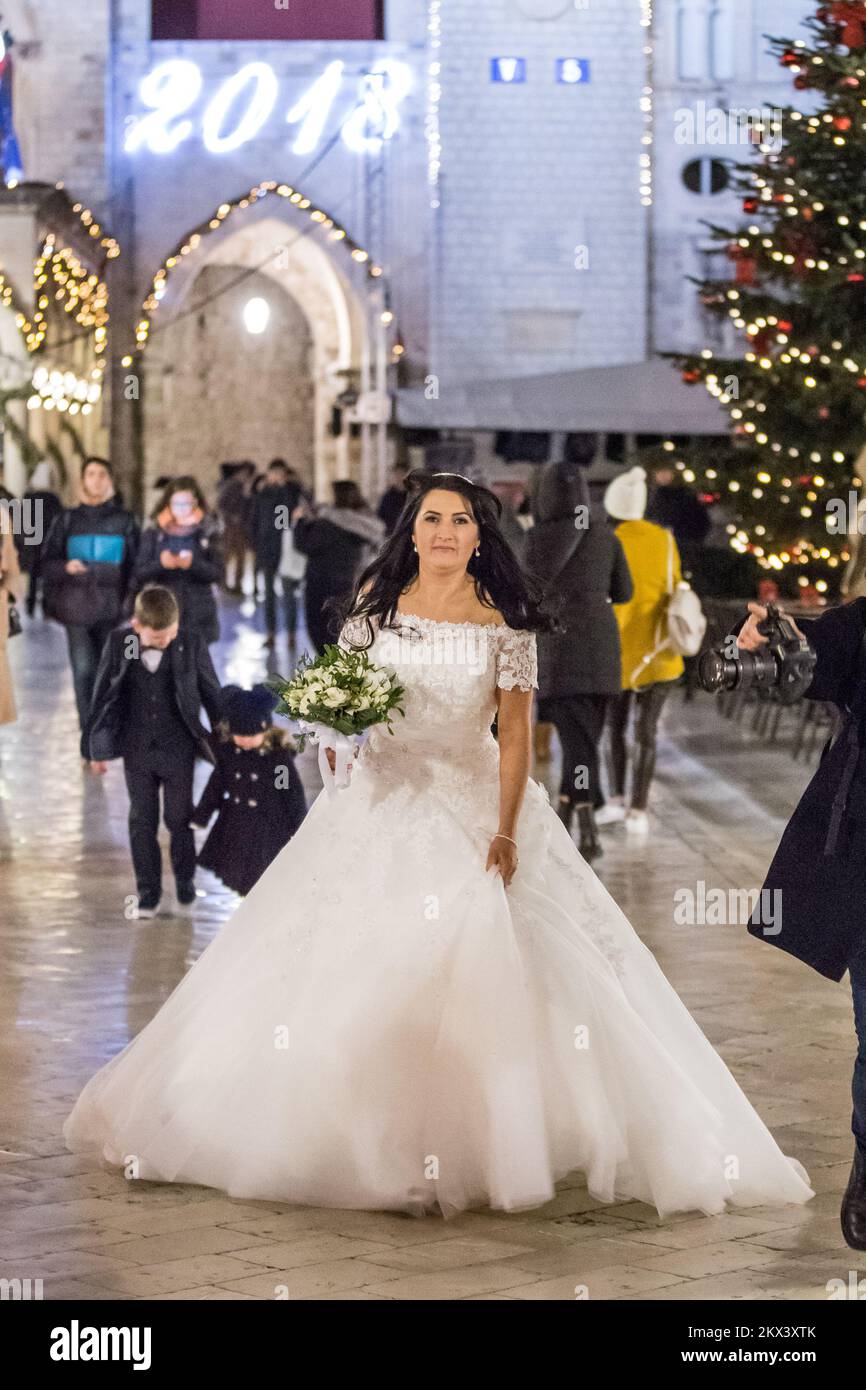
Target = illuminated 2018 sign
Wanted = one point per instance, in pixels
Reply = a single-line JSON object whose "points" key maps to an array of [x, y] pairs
{"points": [[244, 102]]}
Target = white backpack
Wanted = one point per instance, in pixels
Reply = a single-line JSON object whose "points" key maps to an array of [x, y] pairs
{"points": [[293, 565], [685, 621]]}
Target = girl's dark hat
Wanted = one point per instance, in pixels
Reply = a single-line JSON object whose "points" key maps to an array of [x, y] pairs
{"points": [[248, 711]]}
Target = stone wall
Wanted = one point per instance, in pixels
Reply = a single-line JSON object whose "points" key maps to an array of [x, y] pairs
{"points": [[532, 171], [215, 393]]}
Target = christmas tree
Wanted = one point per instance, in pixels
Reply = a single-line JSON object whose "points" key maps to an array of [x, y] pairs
{"points": [[797, 397]]}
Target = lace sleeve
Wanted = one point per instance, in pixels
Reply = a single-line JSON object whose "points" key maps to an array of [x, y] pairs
{"points": [[355, 633], [516, 660]]}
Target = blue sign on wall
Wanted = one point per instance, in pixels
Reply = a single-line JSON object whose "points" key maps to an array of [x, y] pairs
{"points": [[508, 70], [572, 70]]}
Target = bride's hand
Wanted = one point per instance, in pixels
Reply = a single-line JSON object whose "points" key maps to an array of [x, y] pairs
{"points": [[332, 760], [502, 855]]}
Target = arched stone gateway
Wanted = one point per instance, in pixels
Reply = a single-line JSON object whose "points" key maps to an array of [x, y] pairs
{"points": [[215, 391]]}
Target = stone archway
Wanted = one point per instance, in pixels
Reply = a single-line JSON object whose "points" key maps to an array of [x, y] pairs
{"points": [[270, 257]]}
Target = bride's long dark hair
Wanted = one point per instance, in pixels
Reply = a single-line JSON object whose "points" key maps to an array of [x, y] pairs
{"points": [[500, 583]]}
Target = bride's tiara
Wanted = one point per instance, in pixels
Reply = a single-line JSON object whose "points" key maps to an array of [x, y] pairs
{"points": [[416, 480], [419, 476]]}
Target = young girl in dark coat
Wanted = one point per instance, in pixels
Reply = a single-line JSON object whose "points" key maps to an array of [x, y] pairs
{"points": [[254, 789], [181, 551]]}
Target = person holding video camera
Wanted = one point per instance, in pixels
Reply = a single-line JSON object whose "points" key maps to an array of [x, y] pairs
{"points": [[820, 864]]}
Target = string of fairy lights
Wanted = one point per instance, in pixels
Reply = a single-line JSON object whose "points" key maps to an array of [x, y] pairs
{"points": [[334, 231], [800, 553], [61, 278], [432, 122], [81, 292], [803, 492], [646, 106]]}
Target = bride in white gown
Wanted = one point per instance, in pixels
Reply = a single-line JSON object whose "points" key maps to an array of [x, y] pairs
{"points": [[429, 1000]]}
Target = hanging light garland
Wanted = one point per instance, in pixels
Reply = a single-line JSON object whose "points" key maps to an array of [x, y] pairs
{"points": [[93, 229], [193, 240], [33, 337], [432, 126], [59, 274], [81, 293], [646, 106], [65, 392]]}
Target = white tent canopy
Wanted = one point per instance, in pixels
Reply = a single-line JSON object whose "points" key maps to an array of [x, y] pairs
{"points": [[640, 398]]}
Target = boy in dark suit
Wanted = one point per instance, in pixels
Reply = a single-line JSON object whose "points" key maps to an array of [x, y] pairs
{"points": [[146, 704]]}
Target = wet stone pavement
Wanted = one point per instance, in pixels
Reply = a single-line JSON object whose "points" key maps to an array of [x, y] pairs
{"points": [[78, 979]]}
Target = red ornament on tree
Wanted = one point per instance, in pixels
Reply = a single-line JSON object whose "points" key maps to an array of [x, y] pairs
{"points": [[852, 18], [763, 340], [842, 122]]}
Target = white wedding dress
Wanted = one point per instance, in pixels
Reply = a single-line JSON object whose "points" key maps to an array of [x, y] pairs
{"points": [[383, 1025]]}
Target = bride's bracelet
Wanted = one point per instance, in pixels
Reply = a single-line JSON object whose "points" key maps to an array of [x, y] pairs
{"points": [[499, 836]]}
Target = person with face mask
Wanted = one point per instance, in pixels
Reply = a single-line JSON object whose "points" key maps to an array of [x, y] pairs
{"points": [[181, 551], [87, 571]]}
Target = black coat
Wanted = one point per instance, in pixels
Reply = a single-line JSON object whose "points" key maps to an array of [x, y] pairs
{"points": [[680, 510], [819, 869], [47, 506], [582, 570], [260, 803], [334, 557], [103, 593], [391, 505], [193, 588], [272, 509], [195, 684]]}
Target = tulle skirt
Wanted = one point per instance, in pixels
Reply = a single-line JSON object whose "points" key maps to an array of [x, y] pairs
{"points": [[382, 1025]]}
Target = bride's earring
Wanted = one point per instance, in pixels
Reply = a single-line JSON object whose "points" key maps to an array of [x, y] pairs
{"points": [[414, 547], [478, 549]]}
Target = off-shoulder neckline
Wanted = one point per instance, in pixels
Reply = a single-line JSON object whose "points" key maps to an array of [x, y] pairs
{"points": [[445, 622]]}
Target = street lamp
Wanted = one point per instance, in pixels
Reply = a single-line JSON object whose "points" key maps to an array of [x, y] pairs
{"points": [[257, 313]]}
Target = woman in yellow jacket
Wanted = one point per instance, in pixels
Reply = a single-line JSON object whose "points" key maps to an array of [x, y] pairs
{"points": [[648, 675]]}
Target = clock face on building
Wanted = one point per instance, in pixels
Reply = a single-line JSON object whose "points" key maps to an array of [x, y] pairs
{"points": [[543, 9]]}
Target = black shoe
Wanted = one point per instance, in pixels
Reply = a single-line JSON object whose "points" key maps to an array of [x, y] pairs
{"points": [[148, 904], [185, 894], [590, 844], [854, 1204]]}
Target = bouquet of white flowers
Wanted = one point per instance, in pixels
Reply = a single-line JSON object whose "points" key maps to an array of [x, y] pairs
{"points": [[337, 698]]}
